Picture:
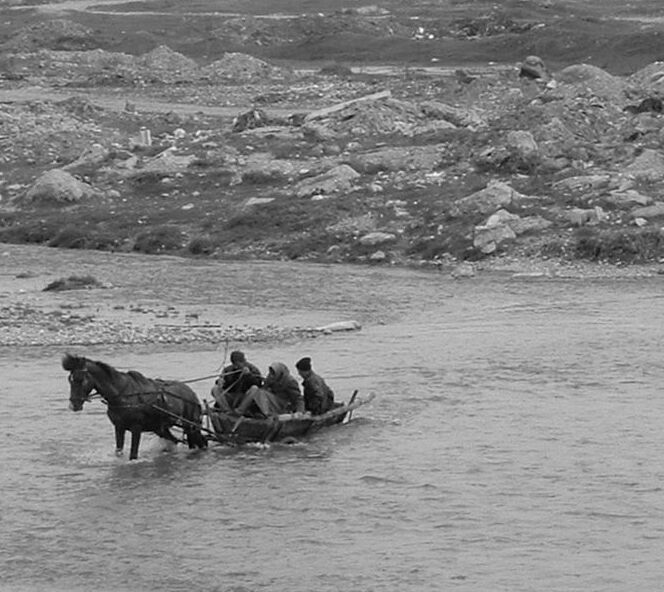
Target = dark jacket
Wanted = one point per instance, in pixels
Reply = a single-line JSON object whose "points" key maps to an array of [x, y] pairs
{"points": [[318, 397], [235, 383]]}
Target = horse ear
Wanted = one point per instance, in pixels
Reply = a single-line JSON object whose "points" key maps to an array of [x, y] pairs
{"points": [[70, 362]]}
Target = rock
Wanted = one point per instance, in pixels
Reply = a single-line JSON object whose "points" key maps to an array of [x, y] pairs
{"points": [[319, 133], [93, 156], [647, 105], [499, 218], [463, 270], [495, 196], [377, 238], [378, 256], [554, 138], [339, 178], [648, 166], [581, 78], [529, 224], [59, 186], [583, 183], [167, 162], [533, 68], [250, 119], [583, 217], [263, 166], [258, 201], [627, 197], [455, 115], [523, 144], [415, 158], [653, 211], [488, 238], [340, 326]]}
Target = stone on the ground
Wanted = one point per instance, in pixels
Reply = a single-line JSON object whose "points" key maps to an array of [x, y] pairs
{"points": [[59, 186]]}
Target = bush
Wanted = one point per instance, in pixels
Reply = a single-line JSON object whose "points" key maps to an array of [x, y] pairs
{"points": [[70, 237], [621, 245], [201, 245], [160, 239], [73, 282]]}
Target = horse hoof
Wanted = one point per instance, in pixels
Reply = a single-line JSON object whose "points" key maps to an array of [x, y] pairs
{"points": [[118, 452]]}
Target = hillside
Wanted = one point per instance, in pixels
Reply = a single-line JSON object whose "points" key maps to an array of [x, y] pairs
{"points": [[351, 133]]}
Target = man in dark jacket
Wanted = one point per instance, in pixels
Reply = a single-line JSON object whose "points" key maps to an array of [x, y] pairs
{"points": [[318, 397], [235, 380]]}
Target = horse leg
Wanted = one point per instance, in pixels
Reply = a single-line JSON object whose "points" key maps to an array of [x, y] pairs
{"points": [[135, 441], [195, 437], [166, 434], [119, 439]]}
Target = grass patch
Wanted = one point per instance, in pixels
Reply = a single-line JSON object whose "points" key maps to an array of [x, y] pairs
{"points": [[619, 245], [159, 239]]}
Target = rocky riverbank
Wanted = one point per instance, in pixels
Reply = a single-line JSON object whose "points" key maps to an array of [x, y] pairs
{"points": [[166, 301], [407, 167]]}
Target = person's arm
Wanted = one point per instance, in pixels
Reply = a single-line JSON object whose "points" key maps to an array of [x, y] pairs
{"points": [[255, 377]]}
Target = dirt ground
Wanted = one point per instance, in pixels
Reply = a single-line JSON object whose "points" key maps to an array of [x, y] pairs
{"points": [[82, 82]]}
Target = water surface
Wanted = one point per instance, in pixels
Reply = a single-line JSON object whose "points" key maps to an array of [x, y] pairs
{"points": [[515, 444]]}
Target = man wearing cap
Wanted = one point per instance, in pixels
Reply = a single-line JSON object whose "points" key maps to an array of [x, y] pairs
{"points": [[318, 397], [235, 380]]}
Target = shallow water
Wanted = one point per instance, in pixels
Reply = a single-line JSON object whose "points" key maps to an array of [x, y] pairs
{"points": [[515, 444]]}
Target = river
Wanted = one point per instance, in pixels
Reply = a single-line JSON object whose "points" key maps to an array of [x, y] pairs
{"points": [[515, 444]]}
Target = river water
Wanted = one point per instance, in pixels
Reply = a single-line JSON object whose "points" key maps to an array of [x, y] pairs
{"points": [[515, 444]]}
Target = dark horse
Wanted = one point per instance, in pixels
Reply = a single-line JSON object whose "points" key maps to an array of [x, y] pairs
{"points": [[136, 403]]}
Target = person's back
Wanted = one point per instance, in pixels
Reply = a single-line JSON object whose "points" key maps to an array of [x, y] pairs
{"points": [[318, 396]]}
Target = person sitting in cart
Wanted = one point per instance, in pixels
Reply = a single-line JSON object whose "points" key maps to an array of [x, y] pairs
{"points": [[235, 380], [318, 397], [280, 394]]}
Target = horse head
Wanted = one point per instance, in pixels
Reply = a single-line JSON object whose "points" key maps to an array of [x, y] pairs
{"points": [[81, 382]]}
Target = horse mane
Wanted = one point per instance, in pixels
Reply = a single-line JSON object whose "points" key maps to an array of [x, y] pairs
{"points": [[137, 382], [71, 362]]}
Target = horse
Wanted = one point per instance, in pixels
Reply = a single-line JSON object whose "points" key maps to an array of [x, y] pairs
{"points": [[135, 403]]}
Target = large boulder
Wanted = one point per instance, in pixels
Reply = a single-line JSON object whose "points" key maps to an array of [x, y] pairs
{"points": [[415, 158], [583, 183], [654, 211], [339, 178], [522, 144], [93, 156], [487, 239], [377, 238], [58, 186], [581, 78], [533, 68], [454, 115], [494, 196], [648, 166], [167, 163]]}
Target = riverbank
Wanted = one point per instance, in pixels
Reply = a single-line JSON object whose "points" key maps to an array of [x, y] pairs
{"points": [[172, 301]]}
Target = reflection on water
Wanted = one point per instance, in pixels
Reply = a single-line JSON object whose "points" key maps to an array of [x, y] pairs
{"points": [[514, 445]]}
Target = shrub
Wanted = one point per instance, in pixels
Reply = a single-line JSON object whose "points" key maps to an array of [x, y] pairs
{"points": [[73, 282], [70, 237], [619, 245], [201, 245], [160, 239]]}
